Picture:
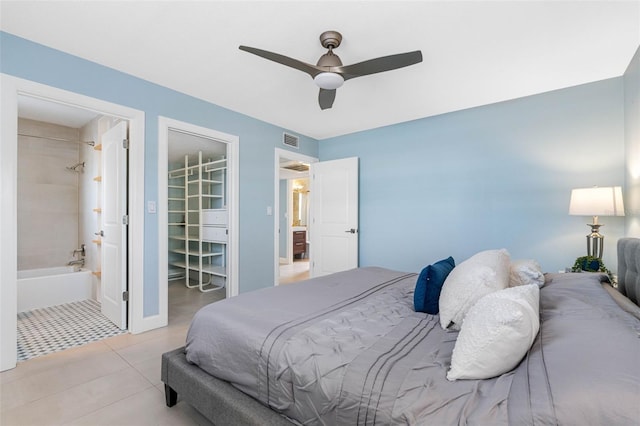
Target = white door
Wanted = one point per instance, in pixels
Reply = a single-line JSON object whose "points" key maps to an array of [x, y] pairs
{"points": [[114, 232], [334, 216]]}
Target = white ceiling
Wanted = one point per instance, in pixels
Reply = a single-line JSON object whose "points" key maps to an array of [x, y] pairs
{"points": [[181, 144], [475, 52], [53, 112]]}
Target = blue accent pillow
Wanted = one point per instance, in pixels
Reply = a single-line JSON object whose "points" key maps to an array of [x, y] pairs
{"points": [[429, 284]]}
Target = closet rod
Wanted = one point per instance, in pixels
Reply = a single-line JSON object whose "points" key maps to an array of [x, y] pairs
{"points": [[90, 143]]}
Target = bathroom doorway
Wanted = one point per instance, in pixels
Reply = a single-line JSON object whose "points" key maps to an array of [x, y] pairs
{"points": [[67, 196], [293, 249], [12, 89]]}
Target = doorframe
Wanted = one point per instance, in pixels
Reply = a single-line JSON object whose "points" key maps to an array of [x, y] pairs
{"points": [[279, 154], [164, 125], [11, 88]]}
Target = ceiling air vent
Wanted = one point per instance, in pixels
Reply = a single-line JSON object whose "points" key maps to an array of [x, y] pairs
{"points": [[290, 140]]}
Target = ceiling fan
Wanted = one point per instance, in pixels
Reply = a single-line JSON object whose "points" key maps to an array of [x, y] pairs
{"points": [[329, 73]]}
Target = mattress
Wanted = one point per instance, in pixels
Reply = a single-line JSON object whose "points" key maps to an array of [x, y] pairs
{"points": [[350, 349]]}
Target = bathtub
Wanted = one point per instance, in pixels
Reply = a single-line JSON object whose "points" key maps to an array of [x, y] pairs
{"points": [[39, 288]]}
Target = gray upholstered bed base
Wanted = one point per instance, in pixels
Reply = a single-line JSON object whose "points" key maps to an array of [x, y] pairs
{"points": [[215, 399], [629, 268], [225, 405]]}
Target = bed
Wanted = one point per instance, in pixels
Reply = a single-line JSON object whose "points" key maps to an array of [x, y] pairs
{"points": [[350, 348]]}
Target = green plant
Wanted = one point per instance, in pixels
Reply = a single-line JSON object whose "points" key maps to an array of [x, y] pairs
{"points": [[590, 264]]}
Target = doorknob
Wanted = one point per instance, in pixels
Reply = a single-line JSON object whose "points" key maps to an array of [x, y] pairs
{"points": [[351, 231], [101, 233]]}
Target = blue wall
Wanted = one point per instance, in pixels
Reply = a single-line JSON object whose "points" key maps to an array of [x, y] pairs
{"points": [[31, 61], [489, 177], [494, 176]]}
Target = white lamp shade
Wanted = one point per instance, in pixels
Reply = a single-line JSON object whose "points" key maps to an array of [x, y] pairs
{"points": [[328, 80], [596, 201]]}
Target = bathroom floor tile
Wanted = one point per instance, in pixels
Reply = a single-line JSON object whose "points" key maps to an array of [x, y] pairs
{"points": [[47, 330]]}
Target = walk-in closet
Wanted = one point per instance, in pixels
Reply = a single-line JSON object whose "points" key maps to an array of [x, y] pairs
{"points": [[197, 212]]}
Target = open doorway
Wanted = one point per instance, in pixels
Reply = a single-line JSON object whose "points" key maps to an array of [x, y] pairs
{"points": [[293, 249], [12, 89], [66, 198], [197, 222], [197, 217]]}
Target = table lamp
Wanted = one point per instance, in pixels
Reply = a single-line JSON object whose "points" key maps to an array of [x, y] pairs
{"points": [[596, 201]]}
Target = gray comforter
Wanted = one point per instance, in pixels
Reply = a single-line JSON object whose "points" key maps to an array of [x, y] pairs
{"points": [[349, 349]]}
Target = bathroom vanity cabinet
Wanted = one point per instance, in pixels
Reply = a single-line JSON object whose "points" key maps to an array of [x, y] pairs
{"points": [[299, 243]]}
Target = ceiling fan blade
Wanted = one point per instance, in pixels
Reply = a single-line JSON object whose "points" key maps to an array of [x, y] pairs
{"points": [[326, 98], [385, 63], [312, 70]]}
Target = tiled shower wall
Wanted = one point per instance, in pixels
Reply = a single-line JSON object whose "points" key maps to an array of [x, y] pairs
{"points": [[47, 195]]}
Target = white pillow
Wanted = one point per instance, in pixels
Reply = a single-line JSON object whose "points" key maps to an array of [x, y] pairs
{"points": [[496, 334], [481, 274], [526, 271]]}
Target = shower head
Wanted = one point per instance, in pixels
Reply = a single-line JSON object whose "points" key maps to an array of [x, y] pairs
{"points": [[76, 167]]}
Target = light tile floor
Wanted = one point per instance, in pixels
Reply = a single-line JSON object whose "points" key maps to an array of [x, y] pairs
{"points": [[115, 381], [296, 271]]}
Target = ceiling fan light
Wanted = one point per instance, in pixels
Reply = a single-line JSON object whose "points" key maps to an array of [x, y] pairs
{"points": [[328, 80]]}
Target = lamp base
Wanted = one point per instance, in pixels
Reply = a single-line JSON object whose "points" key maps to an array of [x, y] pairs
{"points": [[595, 241]]}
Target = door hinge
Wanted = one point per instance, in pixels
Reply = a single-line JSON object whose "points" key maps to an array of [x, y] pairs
{"points": [[125, 219], [125, 143], [125, 296]]}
